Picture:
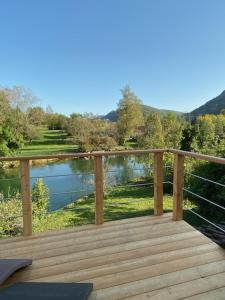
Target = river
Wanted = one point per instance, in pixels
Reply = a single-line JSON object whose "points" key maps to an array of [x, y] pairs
{"points": [[69, 180]]}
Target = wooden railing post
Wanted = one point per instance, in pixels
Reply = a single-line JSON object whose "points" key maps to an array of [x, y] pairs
{"points": [[26, 197], [158, 184], [99, 191], [178, 183]]}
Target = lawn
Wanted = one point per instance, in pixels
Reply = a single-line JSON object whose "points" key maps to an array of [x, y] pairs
{"points": [[49, 142], [119, 203]]}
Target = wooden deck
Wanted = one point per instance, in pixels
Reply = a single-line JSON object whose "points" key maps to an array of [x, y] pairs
{"points": [[140, 258]]}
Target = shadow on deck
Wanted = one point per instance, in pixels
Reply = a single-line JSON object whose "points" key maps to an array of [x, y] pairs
{"points": [[140, 258]]}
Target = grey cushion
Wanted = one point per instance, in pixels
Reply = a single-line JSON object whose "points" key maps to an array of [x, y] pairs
{"points": [[10, 266], [46, 291]]}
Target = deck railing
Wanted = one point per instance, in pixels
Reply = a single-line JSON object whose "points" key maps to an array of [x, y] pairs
{"points": [[178, 179]]}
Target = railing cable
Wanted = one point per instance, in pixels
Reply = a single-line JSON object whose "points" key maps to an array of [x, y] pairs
{"points": [[206, 179], [203, 198], [213, 224]]}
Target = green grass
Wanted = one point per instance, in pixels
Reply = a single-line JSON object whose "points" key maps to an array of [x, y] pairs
{"points": [[49, 142], [119, 203]]}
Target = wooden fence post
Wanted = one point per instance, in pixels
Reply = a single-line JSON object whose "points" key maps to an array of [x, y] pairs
{"points": [[99, 191], [158, 184], [178, 183], [26, 197]]}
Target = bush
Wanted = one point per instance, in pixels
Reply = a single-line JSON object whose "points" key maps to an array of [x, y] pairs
{"points": [[208, 190], [40, 197], [11, 220], [11, 215]]}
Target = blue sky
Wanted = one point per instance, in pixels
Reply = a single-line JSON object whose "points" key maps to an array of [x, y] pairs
{"points": [[77, 55]]}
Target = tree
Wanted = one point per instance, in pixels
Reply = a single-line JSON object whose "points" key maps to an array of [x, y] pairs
{"points": [[91, 133], [20, 97], [172, 129], [152, 135], [36, 115], [204, 137], [56, 121], [11, 135], [130, 115]]}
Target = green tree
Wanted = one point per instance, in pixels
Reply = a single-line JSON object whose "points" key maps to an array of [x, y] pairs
{"points": [[204, 137], [130, 115], [172, 129], [152, 135], [36, 115], [11, 129]]}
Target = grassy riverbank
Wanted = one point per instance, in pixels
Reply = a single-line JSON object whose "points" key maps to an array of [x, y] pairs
{"points": [[49, 142], [119, 203]]}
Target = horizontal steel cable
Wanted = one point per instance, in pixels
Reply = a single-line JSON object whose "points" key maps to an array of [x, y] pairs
{"points": [[206, 179], [203, 198], [213, 224]]}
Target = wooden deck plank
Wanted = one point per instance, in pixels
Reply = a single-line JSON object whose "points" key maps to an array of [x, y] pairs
{"points": [[151, 287], [90, 268], [130, 237], [184, 290], [39, 269], [218, 294], [156, 270], [145, 229], [150, 257], [67, 254], [167, 217], [115, 268]]}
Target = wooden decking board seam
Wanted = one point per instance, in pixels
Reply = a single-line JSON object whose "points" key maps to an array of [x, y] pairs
{"points": [[140, 260], [131, 261], [102, 236], [85, 228], [125, 236], [207, 294], [57, 253], [194, 284], [100, 260], [99, 231], [117, 249], [124, 277], [161, 279], [115, 254], [174, 285], [85, 246]]}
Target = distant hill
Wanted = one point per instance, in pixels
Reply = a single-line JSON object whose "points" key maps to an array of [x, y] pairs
{"points": [[112, 115], [213, 106]]}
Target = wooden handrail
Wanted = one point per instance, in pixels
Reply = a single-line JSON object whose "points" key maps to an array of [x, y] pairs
{"points": [[178, 179], [199, 156], [80, 155]]}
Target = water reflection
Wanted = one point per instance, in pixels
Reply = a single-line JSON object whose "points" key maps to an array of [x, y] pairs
{"points": [[69, 180]]}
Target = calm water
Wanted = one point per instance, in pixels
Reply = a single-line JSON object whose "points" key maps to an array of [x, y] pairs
{"points": [[70, 180]]}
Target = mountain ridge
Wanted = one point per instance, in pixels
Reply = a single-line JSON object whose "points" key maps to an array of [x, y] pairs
{"points": [[213, 106], [112, 115]]}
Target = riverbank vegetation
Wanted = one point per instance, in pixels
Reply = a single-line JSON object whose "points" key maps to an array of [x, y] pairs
{"points": [[120, 202], [28, 129]]}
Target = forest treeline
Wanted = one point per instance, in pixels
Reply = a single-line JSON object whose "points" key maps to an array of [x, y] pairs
{"points": [[21, 120]]}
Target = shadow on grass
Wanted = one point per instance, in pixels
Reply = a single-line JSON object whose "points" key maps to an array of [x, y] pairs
{"points": [[118, 204]]}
